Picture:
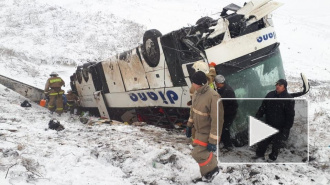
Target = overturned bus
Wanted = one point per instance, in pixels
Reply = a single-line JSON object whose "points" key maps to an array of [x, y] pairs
{"points": [[152, 81]]}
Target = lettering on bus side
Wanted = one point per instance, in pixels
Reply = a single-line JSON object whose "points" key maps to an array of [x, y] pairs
{"points": [[267, 36], [167, 97]]}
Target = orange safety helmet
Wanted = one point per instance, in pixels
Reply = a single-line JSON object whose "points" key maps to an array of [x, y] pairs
{"points": [[212, 64]]}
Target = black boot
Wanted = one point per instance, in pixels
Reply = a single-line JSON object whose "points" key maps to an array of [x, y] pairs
{"points": [[272, 157], [208, 177], [258, 157]]}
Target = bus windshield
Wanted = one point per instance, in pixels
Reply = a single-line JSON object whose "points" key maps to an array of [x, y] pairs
{"points": [[253, 82]]}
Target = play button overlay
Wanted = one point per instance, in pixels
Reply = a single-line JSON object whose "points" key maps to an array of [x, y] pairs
{"points": [[247, 132], [259, 131]]}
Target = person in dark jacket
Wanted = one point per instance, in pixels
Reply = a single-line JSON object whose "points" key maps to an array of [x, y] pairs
{"points": [[230, 109], [280, 115]]}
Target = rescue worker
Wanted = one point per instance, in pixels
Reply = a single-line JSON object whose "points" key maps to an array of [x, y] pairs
{"points": [[211, 75], [54, 91], [72, 101], [230, 109], [210, 72], [198, 66], [280, 115], [203, 117]]}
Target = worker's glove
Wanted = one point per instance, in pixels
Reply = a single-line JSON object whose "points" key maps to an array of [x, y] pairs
{"points": [[188, 132], [211, 147]]}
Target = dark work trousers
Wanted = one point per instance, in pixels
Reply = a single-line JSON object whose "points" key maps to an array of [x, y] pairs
{"points": [[225, 136], [71, 105], [276, 146]]}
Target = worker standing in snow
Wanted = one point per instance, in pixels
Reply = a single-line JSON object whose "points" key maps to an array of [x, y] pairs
{"points": [[54, 91], [230, 109], [198, 66], [280, 115], [203, 117], [72, 101], [210, 72]]}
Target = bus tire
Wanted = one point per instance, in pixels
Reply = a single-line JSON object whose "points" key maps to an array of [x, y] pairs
{"points": [[204, 20], [150, 47]]}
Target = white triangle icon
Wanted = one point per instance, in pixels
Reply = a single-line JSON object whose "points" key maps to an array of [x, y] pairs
{"points": [[259, 131]]}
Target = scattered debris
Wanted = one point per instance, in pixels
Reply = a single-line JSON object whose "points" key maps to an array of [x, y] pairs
{"points": [[10, 153], [139, 123], [8, 127], [26, 103], [253, 173], [55, 125], [172, 159], [83, 120], [95, 153], [230, 169]]}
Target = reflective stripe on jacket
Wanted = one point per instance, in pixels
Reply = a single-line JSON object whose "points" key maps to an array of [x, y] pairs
{"points": [[54, 82], [56, 93], [203, 115]]}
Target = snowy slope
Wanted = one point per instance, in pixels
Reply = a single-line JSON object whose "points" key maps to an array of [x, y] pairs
{"points": [[37, 37], [117, 154]]}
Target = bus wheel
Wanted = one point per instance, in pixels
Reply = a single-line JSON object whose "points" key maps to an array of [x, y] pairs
{"points": [[150, 48], [204, 20]]}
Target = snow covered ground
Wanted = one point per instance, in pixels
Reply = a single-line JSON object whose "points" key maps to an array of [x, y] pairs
{"points": [[37, 37]]}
